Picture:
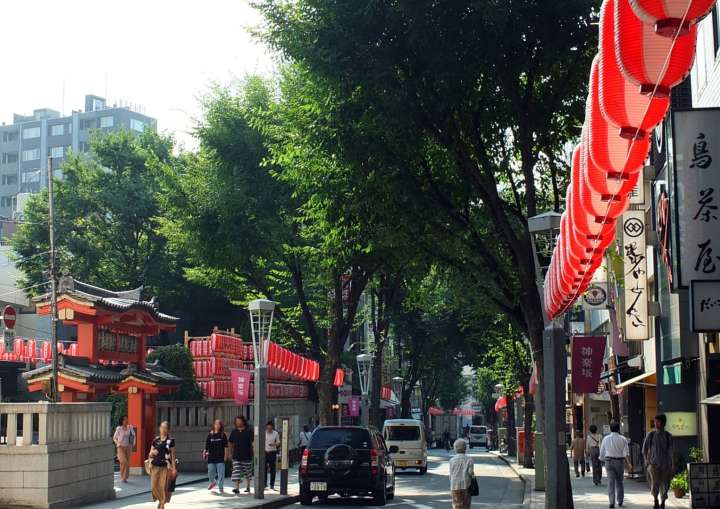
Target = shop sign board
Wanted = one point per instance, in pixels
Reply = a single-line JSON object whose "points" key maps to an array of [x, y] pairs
{"points": [[637, 195], [696, 143], [681, 424], [595, 297], [587, 353], [635, 272], [705, 302], [344, 394]]}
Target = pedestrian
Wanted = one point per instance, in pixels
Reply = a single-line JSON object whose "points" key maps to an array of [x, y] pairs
{"points": [[163, 470], [304, 440], [124, 439], [216, 444], [446, 440], [461, 475], [577, 446], [241, 452], [614, 451], [657, 451], [593, 448], [272, 444]]}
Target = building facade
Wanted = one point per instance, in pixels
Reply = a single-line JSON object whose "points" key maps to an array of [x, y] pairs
{"points": [[27, 143]]}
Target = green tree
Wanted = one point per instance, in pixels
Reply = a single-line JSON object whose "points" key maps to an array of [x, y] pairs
{"points": [[467, 106], [176, 359], [107, 231]]}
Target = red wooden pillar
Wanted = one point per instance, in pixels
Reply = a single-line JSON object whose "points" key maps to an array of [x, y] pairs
{"points": [[150, 418], [136, 418], [67, 396], [87, 341]]}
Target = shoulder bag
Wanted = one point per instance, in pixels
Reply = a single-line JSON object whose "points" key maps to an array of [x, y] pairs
{"points": [[474, 489]]}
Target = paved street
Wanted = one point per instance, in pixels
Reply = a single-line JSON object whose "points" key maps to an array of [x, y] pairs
{"points": [[499, 488]]}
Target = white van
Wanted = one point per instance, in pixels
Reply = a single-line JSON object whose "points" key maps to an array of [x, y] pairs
{"points": [[409, 437], [478, 437]]}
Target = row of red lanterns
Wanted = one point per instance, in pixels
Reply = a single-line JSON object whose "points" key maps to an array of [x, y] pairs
{"points": [[646, 47], [292, 363]]}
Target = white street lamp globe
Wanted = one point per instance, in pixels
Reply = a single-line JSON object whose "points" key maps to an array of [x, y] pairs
{"points": [[261, 318]]}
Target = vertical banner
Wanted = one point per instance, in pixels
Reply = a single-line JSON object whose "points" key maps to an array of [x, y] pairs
{"points": [[588, 353], [635, 271], [240, 381], [354, 406], [696, 140]]}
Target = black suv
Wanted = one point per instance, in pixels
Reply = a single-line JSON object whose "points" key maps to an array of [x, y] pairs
{"points": [[347, 460]]}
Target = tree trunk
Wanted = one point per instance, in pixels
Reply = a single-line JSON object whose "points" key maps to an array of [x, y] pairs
{"points": [[527, 460], [376, 385], [406, 403], [511, 428]]}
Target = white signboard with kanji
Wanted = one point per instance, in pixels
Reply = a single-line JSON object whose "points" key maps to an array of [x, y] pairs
{"points": [[696, 142], [635, 274]]}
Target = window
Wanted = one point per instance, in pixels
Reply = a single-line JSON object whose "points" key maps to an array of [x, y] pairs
{"points": [[88, 124], [10, 136], [57, 152], [6, 201], [401, 433], [57, 130], [31, 176], [108, 121], [31, 132], [9, 180], [9, 157], [83, 147], [137, 125], [31, 155], [354, 437]]}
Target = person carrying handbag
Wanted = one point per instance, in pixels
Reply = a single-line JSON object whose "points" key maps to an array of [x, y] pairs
{"points": [[163, 471], [124, 439], [462, 477]]}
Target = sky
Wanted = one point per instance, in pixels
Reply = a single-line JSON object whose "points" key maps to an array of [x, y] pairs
{"points": [[162, 55]]}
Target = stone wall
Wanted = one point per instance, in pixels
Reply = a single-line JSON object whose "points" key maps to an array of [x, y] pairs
{"points": [[55, 455], [190, 422]]}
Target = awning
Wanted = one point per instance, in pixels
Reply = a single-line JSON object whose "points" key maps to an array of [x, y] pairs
{"points": [[644, 379], [712, 400]]}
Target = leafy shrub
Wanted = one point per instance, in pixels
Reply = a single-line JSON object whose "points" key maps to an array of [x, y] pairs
{"points": [[177, 360]]}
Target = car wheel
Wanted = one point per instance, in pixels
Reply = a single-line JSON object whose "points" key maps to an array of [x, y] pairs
{"points": [[380, 496], [423, 471], [391, 495], [305, 497]]}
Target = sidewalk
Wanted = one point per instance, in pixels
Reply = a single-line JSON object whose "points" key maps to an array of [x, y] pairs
{"points": [[192, 493], [588, 496]]}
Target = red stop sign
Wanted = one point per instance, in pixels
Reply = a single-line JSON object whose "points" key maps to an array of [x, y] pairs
{"points": [[9, 316]]}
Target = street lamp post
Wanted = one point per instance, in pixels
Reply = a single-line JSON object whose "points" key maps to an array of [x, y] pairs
{"points": [[556, 478], [364, 362], [261, 318], [398, 382]]}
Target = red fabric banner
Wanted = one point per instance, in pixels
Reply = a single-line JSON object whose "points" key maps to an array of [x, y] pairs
{"points": [[240, 381], [433, 410], [588, 353]]}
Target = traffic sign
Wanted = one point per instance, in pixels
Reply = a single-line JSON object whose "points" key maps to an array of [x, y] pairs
{"points": [[9, 316]]}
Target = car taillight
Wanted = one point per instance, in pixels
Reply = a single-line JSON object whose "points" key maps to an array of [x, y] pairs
{"points": [[374, 462], [304, 461]]}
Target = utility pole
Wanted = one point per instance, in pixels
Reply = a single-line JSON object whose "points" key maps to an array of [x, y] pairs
{"points": [[54, 391]]}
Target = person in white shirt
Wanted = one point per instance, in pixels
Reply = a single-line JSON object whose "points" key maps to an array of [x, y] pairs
{"points": [[272, 444], [304, 439], [124, 438], [614, 451], [461, 475]]}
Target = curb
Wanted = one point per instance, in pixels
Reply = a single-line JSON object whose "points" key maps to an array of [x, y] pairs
{"points": [[527, 483], [278, 502]]}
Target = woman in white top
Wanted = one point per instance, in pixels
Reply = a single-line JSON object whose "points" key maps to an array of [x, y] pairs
{"points": [[124, 439], [461, 475]]}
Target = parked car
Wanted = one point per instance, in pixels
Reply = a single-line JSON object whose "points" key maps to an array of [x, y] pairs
{"points": [[410, 438], [478, 437], [348, 461]]}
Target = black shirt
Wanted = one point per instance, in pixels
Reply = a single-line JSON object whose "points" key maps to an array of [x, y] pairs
{"points": [[242, 444], [215, 445], [163, 447]]}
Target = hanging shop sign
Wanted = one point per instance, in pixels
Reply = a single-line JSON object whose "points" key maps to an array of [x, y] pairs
{"points": [[637, 195], [588, 353], [354, 406], [696, 141], [663, 232], [240, 381], [344, 394], [635, 271], [596, 296], [705, 302], [681, 424]]}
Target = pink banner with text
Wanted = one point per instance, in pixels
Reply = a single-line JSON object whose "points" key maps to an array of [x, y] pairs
{"points": [[241, 385], [588, 353]]}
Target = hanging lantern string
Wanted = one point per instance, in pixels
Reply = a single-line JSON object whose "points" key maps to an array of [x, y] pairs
{"points": [[663, 70]]}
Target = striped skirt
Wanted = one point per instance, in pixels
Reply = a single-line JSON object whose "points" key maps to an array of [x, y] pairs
{"points": [[241, 469]]}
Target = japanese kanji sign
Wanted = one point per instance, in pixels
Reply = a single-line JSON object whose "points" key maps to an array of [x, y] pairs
{"points": [[705, 311], [588, 353], [354, 406], [696, 139], [635, 271], [240, 379]]}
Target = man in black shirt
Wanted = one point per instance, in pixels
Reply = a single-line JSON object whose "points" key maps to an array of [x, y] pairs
{"points": [[241, 447]]}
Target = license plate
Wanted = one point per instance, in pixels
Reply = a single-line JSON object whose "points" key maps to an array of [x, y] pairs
{"points": [[402, 463], [318, 486]]}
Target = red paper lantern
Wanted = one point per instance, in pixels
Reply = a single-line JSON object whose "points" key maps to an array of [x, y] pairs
{"points": [[670, 16], [601, 205], [608, 184], [621, 103], [642, 53], [608, 150]]}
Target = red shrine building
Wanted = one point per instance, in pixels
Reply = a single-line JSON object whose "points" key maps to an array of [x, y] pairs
{"points": [[112, 330]]}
